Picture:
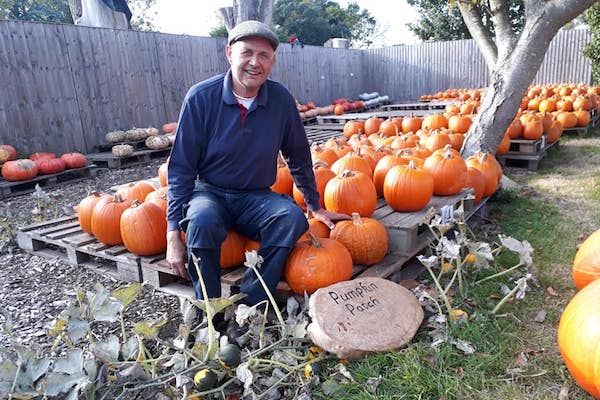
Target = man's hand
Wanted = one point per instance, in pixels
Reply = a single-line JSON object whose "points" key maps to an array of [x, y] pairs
{"points": [[176, 253], [328, 217]]}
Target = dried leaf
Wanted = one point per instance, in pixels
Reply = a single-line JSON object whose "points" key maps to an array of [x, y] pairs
{"points": [[77, 329], [177, 362], [101, 306], [218, 304], [448, 249], [129, 348], [134, 372], [330, 387], [523, 249], [540, 317], [188, 311], [550, 290], [243, 373], [127, 294], [372, 384], [431, 261], [244, 313], [463, 346]]}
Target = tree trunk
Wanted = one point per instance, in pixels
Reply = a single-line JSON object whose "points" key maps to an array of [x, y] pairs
{"points": [[515, 70], [244, 10], [75, 7]]}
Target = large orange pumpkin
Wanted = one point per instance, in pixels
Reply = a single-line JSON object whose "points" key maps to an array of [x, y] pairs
{"points": [[85, 208], [317, 263], [449, 172], [158, 198], [487, 165], [353, 161], [106, 219], [586, 266], [382, 168], [50, 165], [579, 338], [144, 229], [353, 128], [408, 188], [365, 238], [351, 191]]}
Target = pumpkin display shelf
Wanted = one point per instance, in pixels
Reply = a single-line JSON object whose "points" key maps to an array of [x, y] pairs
{"points": [[14, 188], [527, 153], [105, 147], [439, 105], [64, 238], [139, 157], [342, 119]]}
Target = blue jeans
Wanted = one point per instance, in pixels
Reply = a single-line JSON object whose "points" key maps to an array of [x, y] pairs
{"points": [[271, 218]]}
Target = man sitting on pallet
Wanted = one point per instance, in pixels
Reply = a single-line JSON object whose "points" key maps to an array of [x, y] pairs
{"points": [[224, 159]]}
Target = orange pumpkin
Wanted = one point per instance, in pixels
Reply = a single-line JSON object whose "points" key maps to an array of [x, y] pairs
{"points": [[459, 123], [382, 168], [158, 198], [489, 169], [388, 128], [162, 174], [449, 172], [533, 128], [579, 338], [435, 121], [411, 124], [353, 161], [323, 154], [372, 125], [475, 181], [586, 266], [353, 128], [144, 229], [85, 208], [504, 145], [283, 181], [136, 191], [316, 228], [408, 188], [232, 250], [322, 175], [515, 129], [74, 160], [106, 219], [317, 263], [351, 191], [365, 238]]}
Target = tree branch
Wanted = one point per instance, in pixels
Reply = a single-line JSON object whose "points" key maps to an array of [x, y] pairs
{"points": [[505, 37], [480, 34], [266, 11]]}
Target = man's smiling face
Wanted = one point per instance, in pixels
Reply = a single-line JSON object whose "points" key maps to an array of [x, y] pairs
{"points": [[251, 61]]}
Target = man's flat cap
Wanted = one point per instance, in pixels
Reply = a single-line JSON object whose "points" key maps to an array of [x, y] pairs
{"points": [[252, 29]]}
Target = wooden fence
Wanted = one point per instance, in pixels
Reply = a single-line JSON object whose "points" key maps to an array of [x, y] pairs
{"points": [[62, 87]]}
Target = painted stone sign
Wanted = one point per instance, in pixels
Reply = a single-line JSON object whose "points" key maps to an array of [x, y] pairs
{"points": [[356, 317]]}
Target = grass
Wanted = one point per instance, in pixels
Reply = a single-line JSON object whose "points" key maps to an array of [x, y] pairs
{"points": [[516, 358]]}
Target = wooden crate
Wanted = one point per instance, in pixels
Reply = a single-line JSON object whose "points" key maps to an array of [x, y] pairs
{"points": [[138, 157], [8, 189], [524, 146], [525, 159]]}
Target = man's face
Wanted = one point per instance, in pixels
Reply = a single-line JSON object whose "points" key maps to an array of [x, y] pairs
{"points": [[251, 61]]}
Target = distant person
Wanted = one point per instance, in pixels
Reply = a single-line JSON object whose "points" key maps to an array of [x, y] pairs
{"points": [[295, 41], [230, 131]]}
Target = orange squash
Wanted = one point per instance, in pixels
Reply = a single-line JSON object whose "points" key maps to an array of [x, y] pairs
{"points": [[365, 238], [351, 191], [144, 229], [408, 188]]}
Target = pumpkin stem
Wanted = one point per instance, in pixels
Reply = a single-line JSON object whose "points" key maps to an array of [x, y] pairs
{"points": [[320, 164], [347, 173], [118, 198], [356, 220], [412, 164], [314, 242]]}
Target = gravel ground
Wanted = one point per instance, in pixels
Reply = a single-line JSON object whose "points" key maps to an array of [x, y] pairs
{"points": [[34, 290]]}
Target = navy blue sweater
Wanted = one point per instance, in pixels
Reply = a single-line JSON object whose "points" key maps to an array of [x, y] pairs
{"points": [[214, 143]]}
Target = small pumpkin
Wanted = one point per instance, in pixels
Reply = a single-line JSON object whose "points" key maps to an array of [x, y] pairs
{"points": [[586, 265], [12, 153], [158, 197], [579, 338], [157, 142], [169, 127], [122, 150], [41, 156], [323, 154], [322, 175], [115, 136], [317, 228], [283, 181], [365, 238], [317, 263], [382, 168], [353, 161], [74, 160], [351, 191], [372, 125], [162, 174], [19, 170], [144, 229]]}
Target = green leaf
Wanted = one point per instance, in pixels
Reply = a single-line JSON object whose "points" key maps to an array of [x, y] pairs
{"points": [[107, 351], [58, 327], [149, 329], [127, 294]]}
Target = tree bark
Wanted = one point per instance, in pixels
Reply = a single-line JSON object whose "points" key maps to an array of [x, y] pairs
{"points": [[244, 10], [96, 13], [516, 68], [483, 38], [75, 7]]}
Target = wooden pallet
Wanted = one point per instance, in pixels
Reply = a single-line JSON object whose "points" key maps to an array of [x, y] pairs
{"points": [[579, 131], [309, 121], [138, 157], [531, 161], [136, 144], [320, 135], [63, 238], [414, 106], [8, 189], [524, 146]]}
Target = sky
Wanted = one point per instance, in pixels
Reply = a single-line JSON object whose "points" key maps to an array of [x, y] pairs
{"points": [[198, 17]]}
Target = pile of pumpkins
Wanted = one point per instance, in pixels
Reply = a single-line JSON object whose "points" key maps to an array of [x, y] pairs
{"points": [[579, 326], [338, 107], [24, 169], [152, 137]]}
